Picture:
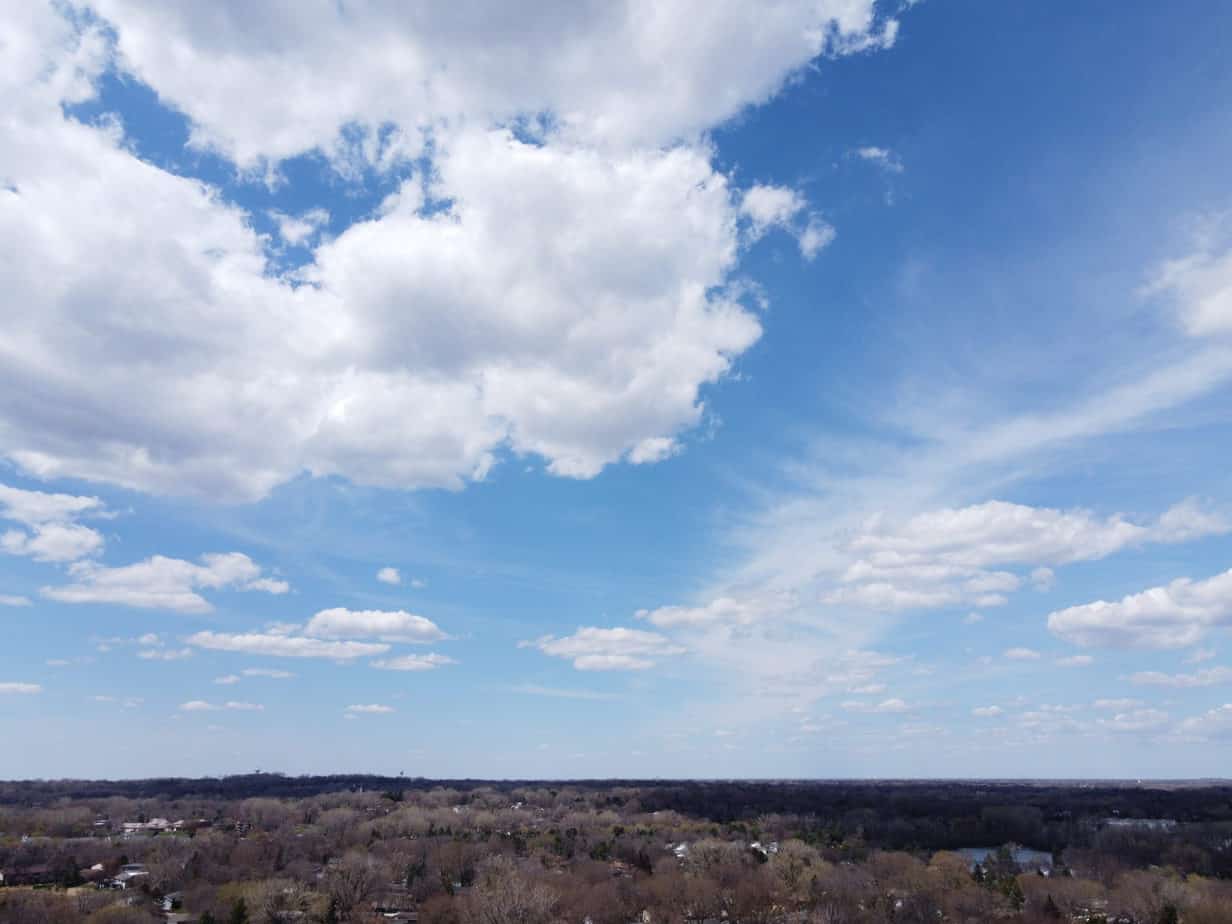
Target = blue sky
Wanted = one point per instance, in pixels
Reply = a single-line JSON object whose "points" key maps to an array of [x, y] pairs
{"points": [[840, 389]]}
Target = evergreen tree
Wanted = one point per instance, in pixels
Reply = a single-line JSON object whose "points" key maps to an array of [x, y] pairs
{"points": [[239, 912]]}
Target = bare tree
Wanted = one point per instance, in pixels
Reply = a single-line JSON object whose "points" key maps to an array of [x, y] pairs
{"points": [[505, 894]]}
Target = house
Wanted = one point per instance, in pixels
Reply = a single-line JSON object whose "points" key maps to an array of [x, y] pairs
{"points": [[128, 873]]}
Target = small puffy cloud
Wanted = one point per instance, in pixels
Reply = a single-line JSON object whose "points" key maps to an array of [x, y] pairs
{"points": [[200, 705], [1189, 520], [1200, 287], [227, 680], [885, 596], [1136, 720], [1204, 678], [14, 600], [654, 449], [992, 582], [768, 207], [1200, 655], [389, 575], [596, 649], [286, 646], [165, 654], [1043, 579], [1215, 723], [1021, 654], [387, 625], [15, 687], [868, 689], [270, 672], [986, 712], [1075, 661], [369, 709], [814, 237], [414, 662], [951, 556], [299, 230], [164, 583], [51, 531], [1116, 704], [1170, 616], [722, 610], [884, 158], [53, 542], [972, 618], [886, 706]]}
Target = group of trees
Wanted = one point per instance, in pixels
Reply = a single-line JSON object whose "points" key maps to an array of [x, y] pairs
{"points": [[588, 854]]}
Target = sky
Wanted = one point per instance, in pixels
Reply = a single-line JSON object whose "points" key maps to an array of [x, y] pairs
{"points": [[813, 388]]}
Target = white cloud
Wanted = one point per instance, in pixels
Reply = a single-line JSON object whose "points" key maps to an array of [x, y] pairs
{"points": [[161, 654], [1117, 704], [293, 81], [882, 157], [14, 600], [164, 583], [414, 662], [1214, 723], [1172, 616], [1210, 677], [814, 237], [1043, 579], [387, 625], [51, 532], [227, 680], [868, 689], [721, 610], [286, 646], [768, 207], [298, 231], [972, 619], [389, 575], [885, 706], [21, 688], [200, 705], [1200, 284], [596, 649], [1075, 661], [1021, 654], [369, 709], [270, 672], [986, 712], [1137, 720], [949, 556], [1200, 655], [570, 301]]}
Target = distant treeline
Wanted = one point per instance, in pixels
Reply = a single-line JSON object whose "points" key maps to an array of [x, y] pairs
{"points": [[894, 814]]}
